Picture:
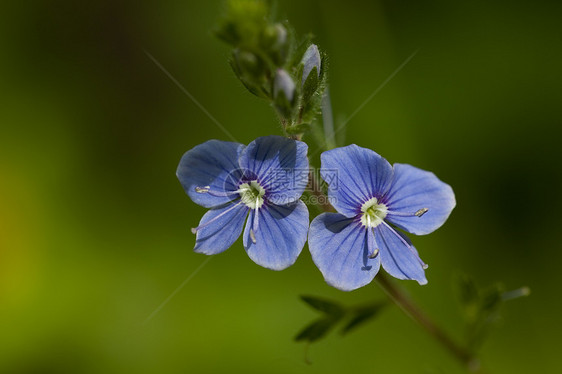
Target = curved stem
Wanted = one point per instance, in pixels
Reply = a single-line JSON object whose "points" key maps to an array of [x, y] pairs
{"points": [[415, 313]]}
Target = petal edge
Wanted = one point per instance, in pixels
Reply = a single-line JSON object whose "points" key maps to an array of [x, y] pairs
{"points": [[339, 249]]}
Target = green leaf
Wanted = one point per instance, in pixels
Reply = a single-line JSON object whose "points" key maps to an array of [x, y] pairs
{"points": [[363, 315], [252, 84], [491, 300], [481, 307], [467, 290], [323, 305], [283, 105], [316, 329], [310, 85]]}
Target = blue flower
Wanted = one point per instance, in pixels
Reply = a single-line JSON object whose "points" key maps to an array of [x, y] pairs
{"points": [[261, 182], [371, 197]]}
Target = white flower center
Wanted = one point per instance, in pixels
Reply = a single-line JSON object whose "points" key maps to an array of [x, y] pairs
{"points": [[251, 194], [373, 213]]}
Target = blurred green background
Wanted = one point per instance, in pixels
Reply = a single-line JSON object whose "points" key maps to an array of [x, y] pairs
{"points": [[94, 226]]}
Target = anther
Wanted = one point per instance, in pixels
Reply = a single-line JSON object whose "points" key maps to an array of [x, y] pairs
{"points": [[418, 213], [207, 189], [421, 212], [375, 253], [252, 236], [202, 189]]}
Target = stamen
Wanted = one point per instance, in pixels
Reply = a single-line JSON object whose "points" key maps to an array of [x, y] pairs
{"points": [[423, 264], [207, 189], [421, 212], [256, 224], [418, 213], [195, 229], [374, 252]]}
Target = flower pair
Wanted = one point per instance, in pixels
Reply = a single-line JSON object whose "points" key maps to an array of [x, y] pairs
{"points": [[264, 182]]}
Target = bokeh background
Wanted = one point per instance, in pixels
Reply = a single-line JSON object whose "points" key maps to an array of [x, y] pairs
{"points": [[94, 226]]}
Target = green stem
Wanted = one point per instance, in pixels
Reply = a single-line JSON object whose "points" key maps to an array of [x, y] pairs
{"points": [[328, 120], [415, 313]]}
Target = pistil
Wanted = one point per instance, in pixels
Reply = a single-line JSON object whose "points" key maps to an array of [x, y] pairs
{"points": [[373, 213]]}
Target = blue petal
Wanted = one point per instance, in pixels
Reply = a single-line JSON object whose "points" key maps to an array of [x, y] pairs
{"points": [[413, 189], [354, 175], [399, 259], [220, 234], [280, 165], [339, 248], [214, 164], [280, 235]]}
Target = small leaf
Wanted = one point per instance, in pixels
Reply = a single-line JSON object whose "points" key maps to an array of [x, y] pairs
{"points": [[316, 329], [362, 315], [467, 290], [325, 306], [283, 106], [310, 85]]}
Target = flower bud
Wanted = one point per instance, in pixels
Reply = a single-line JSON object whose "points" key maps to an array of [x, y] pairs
{"points": [[279, 34], [283, 83], [249, 63], [275, 41], [310, 60]]}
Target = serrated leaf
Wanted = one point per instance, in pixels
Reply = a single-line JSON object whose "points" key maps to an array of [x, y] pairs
{"points": [[361, 316], [323, 305], [316, 330]]}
